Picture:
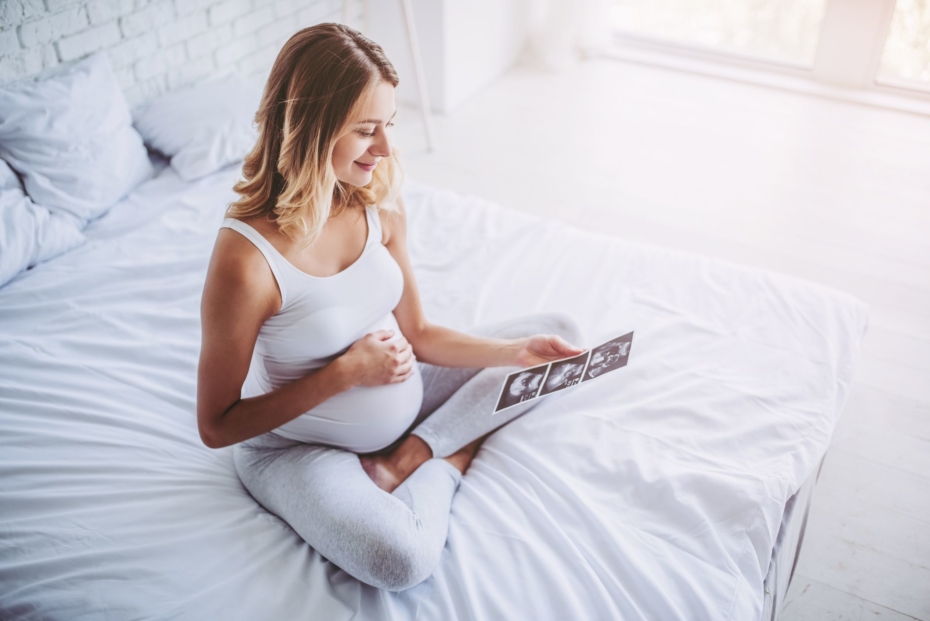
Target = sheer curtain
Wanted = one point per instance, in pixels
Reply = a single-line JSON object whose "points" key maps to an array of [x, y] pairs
{"points": [[561, 32]]}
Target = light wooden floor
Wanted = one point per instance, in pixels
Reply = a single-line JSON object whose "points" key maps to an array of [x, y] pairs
{"points": [[830, 192]]}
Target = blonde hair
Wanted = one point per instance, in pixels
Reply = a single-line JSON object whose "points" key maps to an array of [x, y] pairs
{"points": [[322, 79]]}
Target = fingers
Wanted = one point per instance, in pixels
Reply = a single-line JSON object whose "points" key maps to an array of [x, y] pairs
{"points": [[406, 358], [567, 348], [403, 378], [396, 346], [405, 369], [399, 347], [401, 351]]}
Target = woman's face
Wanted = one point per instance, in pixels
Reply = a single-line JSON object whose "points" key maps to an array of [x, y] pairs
{"points": [[357, 153]]}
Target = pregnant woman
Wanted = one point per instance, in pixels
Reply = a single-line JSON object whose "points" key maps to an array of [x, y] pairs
{"points": [[352, 417]]}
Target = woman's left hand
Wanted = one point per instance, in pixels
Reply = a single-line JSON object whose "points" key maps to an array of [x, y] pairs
{"points": [[542, 348]]}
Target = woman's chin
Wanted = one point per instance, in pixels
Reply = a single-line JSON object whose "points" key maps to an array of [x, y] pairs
{"points": [[362, 179], [355, 178]]}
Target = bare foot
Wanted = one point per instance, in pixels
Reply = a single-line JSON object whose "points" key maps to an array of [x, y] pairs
{"points": [[378, 469], [461, 459], [388, 470]]}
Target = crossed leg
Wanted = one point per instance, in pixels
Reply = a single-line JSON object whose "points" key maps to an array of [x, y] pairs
{"points": [[458, 403], [389, 540]]}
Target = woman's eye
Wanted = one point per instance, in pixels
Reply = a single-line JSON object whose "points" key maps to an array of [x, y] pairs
{"points": [[391, 124], [367, 134]]}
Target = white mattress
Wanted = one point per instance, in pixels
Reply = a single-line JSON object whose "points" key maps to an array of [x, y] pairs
{"points": [[655, 492]]}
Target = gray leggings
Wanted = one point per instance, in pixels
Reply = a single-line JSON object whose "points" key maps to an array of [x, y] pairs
{"points": [[391, 541]]}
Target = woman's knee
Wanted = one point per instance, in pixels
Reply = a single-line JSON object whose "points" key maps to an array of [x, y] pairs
{"points": [[248, 461], [398, 563], [241, 460], [248, 466]]}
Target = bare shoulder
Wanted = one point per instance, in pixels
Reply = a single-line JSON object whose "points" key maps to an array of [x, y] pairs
{"points": [[239, 271], [235, 255], [394, 223]]}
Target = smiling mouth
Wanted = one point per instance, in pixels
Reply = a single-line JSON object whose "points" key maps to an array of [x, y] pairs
{"points": [[366, 166]]}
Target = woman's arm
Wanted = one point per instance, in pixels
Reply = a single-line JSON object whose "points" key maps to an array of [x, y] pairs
{"points": [[449, 348], [240, 294], [445, 347]]}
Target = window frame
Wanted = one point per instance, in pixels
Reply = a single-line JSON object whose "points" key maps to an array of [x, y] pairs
{"points": [[843, 67]]}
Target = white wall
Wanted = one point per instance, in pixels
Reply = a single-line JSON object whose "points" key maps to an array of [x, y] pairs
{"points": [[154, 46], [483, 39], [161, 45], [388, 30], [464, 44]]}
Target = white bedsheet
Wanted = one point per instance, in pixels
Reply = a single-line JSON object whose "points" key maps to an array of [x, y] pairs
{"points": [[652, 493]]}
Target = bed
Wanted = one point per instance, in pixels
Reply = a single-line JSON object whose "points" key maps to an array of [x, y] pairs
{"points": [[675, 488]]}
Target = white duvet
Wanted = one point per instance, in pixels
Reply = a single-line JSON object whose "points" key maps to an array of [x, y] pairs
{"points": [[654, 492]]}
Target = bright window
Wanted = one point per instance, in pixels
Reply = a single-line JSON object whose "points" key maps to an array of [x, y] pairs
{"points": [[906, 55], [779, 30]]}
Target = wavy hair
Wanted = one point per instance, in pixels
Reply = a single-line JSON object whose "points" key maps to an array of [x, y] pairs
{"points": [[322, 79]]}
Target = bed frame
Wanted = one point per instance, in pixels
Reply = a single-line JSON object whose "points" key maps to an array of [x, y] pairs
{"points": [[788, 547]]}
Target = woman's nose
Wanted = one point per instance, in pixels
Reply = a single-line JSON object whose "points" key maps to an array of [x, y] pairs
{"points": [[382, 144]]}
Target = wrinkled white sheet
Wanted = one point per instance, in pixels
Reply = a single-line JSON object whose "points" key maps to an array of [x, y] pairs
{"points": [[655, 492]]}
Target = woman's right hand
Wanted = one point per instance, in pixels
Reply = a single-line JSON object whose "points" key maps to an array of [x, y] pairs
{"points": [[378, 358]]}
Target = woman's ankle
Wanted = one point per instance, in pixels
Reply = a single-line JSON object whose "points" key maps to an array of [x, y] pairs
{"points": [[412, 453], [463, 457]]}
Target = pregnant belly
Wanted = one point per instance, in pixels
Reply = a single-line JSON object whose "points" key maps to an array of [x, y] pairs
{"points": [[362, 419]]}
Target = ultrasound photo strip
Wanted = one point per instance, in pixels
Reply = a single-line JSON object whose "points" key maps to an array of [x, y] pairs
{"points": [[534, 382]]}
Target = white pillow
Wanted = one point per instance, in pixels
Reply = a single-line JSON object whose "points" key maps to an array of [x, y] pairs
{"points": [[204, 127], [29, 233], [70, 136]]}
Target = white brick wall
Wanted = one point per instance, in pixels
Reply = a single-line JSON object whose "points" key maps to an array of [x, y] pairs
{"points": [[153, 45]]}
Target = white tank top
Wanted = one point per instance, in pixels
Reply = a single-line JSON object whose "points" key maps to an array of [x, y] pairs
{"points": [[320, 317]]}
